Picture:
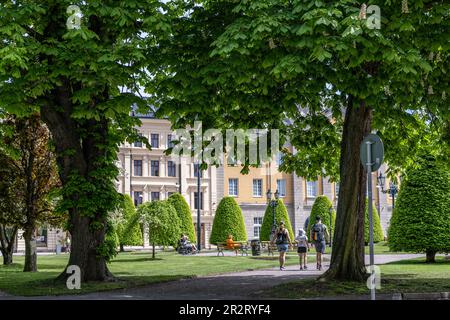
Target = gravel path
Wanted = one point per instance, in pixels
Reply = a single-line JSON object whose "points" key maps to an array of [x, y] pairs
{"points": [[230, 286]]}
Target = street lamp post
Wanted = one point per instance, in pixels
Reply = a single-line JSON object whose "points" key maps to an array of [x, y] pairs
{"points": [[393, 189], [199, 230], [273, 204]]}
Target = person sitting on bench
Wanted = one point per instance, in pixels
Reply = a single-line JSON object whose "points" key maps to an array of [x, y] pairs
{"points": [[230, 243]]}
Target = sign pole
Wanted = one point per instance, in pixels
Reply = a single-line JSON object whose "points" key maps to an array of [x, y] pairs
{"points": [[369, 194]]}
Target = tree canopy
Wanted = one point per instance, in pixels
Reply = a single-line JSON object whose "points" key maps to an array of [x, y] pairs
{"points": [[320, 64], [80, 64]]}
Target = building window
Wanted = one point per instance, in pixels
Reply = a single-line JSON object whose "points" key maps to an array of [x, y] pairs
{"points": [[171, 169], [138, 168], [279, 158], [138, 199], [233, 187], [196, 200], [257, 222], [336, 189], [155, 140], [170, 143], [196, 166], [169, 194], [155, 196], [281, 186], [257, 187], [311, 189], [155, 168], [138, 144]]}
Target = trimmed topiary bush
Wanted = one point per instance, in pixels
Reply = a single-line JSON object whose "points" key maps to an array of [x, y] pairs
{"points": [[421, 219], [128, 227], [184, 214], [162, 222], [281, 214], [377, 228], [321, 208], [228, 220]]}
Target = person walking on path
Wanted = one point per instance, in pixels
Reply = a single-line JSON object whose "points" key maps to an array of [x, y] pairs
{"points": [[302, 248], [317, 235], [283, 241]]}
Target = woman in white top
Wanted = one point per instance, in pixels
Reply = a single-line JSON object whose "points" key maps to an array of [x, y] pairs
{"points": [[302, 248]]}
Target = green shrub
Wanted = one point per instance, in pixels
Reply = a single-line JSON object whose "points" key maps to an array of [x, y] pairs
{"points": [[128, 227], [162, 222], [108, 248], [377, 228], [421, 219], [281, 214], [228, 220], [321, 208], [184, 214]]}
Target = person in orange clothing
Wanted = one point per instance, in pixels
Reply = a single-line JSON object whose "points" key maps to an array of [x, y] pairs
{"points": [[231, 245]]}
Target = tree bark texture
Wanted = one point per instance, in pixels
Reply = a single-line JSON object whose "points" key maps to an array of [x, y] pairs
{"points": [[347, 260]]}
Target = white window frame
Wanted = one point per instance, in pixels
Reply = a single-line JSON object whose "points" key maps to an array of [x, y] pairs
{"points": [[257, 186], [308, 189], [281, 187], [257, 223], [235, 187]]}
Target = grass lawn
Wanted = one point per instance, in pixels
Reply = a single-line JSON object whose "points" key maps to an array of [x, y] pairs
{"points": [[381, 248], [131, 269], [396, 277]]}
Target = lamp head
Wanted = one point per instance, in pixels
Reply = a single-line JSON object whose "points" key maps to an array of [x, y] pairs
{"points": [[269, 195]]}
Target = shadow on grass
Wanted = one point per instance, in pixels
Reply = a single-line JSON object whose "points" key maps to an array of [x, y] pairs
{"points": [[52, 287], [312, 288], [421, 261], [118, 260]]}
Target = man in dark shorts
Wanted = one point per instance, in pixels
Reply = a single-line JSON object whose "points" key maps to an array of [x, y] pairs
{"points": [[318, 234]]}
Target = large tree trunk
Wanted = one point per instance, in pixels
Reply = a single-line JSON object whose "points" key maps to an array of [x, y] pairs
{"points": [[84, 251], [153, 251], [30, 250], [83, 160], [431, 256], [347, 260], [7, 243]]}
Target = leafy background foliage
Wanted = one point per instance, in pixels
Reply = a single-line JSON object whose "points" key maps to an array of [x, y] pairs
{"points": [[162, 221], [281, 214], [421, 219], [377, 228], [228, 220], [184, 215], [321, 208], [128, 228]]}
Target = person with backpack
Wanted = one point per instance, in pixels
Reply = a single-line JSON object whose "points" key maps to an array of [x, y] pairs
{"points": [[283, 241], [317, 235], [302, 248]]}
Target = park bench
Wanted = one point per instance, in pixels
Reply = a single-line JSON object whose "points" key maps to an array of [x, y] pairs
{"points": [[241, 247]]}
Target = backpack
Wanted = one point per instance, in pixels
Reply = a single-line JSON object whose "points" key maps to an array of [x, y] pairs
{"points": [[281, 238], [317, 232]]}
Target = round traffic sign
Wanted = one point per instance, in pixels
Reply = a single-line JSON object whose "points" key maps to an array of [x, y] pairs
{"points": [[376, 151]]}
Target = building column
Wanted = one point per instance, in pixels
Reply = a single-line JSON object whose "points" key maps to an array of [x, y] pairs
{"points": [[145, 166], [162, 167], [127, 173]]}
